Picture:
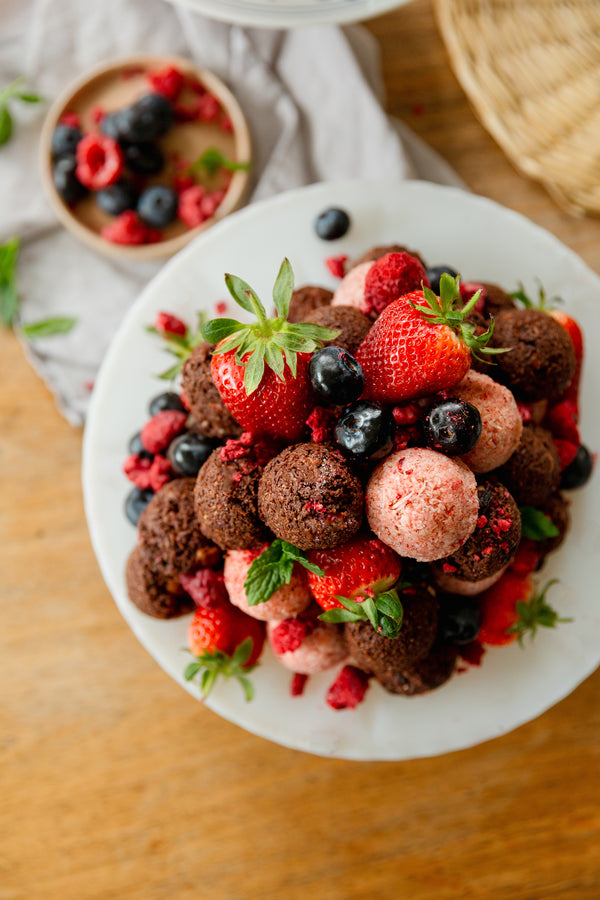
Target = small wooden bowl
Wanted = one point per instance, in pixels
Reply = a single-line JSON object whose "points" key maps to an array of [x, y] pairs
{"points": [[112, 86]]}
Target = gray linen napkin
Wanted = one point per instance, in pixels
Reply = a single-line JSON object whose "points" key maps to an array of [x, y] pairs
{"points": [[313, 99]]}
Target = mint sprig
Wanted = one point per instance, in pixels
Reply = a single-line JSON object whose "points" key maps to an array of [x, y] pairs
{"points": [[214, 159], [443, 310], [273, 568], [267, 342], [543, 302], [536, 525], [13, 91], [10, 302], [384, 612], [208, 666], [533, 613], [179, 346]]}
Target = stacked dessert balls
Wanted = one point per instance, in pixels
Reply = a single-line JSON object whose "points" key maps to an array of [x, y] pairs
{"points": [[394, 528]]}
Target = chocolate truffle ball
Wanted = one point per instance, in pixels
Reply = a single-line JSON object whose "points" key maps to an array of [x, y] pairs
{"points": [[541, 359], [375, 653], [491, 546], [424, 675], [495, 299], [309, 496], [211, 416], [532, 473], [351, 324], [149, 592], [305, 300], [169, 529], [226, 497]]}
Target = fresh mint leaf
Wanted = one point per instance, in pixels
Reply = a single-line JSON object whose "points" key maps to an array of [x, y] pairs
{"points": [[536, 525], [384, 612], [213, 159], [9, 294], [6, 125], [48, 327], [272, 569]]}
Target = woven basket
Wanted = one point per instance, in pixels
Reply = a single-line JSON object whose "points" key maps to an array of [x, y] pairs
{"points": [[531, 69]]}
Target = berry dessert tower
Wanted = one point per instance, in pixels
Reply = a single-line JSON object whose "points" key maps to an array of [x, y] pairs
{"points": [[381, 472]]}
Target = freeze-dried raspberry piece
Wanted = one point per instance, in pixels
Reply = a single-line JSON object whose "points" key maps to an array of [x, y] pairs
{"points": [[167, 322], [348, 689], [160, 472], [190, 206], [206, 587], [159, 431], [137, 469], [127, 228], [335, 264], [567, 451], [289, 635], [390, 277], [298, 684], [167, 81]]}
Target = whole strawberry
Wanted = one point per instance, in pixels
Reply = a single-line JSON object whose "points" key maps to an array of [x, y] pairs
{"points": [[421, 344], [511, 608], [261, 370], [355, 581], [225, 642]]}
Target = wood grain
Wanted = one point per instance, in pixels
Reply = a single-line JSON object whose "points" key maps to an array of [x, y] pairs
{"points": [[117, 784]]}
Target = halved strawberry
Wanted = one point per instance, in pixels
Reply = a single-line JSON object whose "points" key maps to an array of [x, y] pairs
{"points": [[355, 583], [511, 608], [225, 642], [421, 344], [261, 370]]}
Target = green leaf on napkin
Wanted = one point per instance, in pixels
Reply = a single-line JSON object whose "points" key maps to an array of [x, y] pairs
{"points": [[13, 91]]}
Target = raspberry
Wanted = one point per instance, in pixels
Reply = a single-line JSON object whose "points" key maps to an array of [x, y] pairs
{"points": [[127, 228], [406, 414], [210, 203], [321, 422], [390, 277], [167, 81], [182, 182], [71, 119], [190, 206], [160, 430], [561, 420], [160, 472], [166, 322], [99, 161], [207, 108], [567, 451], [335, 264], [298, 684], [348, 689], [137, 469], [206, 587], [289, 635]]}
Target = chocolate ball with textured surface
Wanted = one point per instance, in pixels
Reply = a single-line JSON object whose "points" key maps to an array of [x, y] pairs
{"points": [[351, 324], [149, 592], [532, 473], [211, 416]]}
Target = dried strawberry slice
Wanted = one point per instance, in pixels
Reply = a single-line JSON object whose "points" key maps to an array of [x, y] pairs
{"points": [[99, 161]]}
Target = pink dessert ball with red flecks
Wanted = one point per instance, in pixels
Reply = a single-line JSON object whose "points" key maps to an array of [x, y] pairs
{"points": [[289, 600], [351, 289], [422, 504], [453, 584], [318, 647], [501, 422]]}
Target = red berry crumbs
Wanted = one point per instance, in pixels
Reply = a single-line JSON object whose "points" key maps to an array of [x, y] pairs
{"points": [[298, 684], [206, 587], [137, 469], [160, 430], [335, 264], [289, 635], [348, 689], [321, 422], [170, 324], [160, 472], [236, 449]]}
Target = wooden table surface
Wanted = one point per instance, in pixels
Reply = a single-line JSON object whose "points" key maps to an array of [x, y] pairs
{"points": [[114, 783]]}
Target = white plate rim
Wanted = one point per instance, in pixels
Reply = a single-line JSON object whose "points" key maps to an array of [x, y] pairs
{"points": [[322, 195], [266, 15]]}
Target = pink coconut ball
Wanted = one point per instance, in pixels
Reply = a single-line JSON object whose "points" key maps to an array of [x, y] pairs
{"points": [[453, 585], [289, 600], [351, 289], [422, 504], [321, 649], [501, 423]]}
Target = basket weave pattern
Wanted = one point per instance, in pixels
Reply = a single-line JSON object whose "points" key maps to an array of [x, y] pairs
{"points": [[531, 69]]}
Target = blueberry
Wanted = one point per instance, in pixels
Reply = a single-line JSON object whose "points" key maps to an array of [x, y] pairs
{"points": [[136, 502], [157, 206], [112, 125], [149, 118], [64, 141], [65, 180], [459, 620], [144, 159], [117, 198], [168, 400], [337, 378], [435, 273], [189, 452], [136, 446], [452, 427], [365, 431], [578, 472], [332, 224]]}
